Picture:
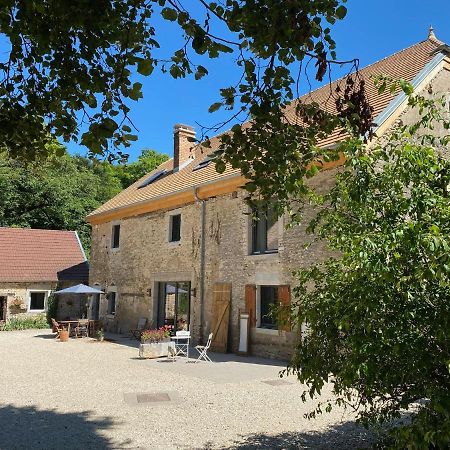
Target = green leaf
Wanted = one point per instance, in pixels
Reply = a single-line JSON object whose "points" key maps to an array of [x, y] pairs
{"points": [[341, 12], [214, 107], [220, 166], [169, 14], [200, 72], [145, 67]]}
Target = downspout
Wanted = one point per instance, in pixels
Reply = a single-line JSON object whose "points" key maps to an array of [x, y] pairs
{"points": [[202, 260]]}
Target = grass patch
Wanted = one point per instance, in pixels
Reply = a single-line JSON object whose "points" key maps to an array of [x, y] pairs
{"points": [[37, 321]]}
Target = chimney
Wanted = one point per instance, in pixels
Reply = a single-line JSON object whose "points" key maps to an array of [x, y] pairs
{"points": [[182, 146]]}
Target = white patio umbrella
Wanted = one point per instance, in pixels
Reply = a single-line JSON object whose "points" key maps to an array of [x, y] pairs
{"points": [[79, 289]]}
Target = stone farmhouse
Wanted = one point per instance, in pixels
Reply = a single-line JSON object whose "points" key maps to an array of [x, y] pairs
{"points": [[33, 263], [179, 247]]}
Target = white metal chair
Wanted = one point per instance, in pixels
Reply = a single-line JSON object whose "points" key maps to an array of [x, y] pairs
{"points": [[203, 349], [182, 339]]}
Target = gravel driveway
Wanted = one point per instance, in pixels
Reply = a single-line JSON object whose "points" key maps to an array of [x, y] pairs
{"points": [[89, 395]]}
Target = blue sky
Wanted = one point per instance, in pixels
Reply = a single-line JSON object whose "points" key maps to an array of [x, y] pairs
{"points": [[371, 31]]}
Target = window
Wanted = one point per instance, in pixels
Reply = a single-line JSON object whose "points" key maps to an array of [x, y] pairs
{"points": [[111, 302], [264, 231], [205, 163], [175, 228], [174, 302], [115, 237], [268, 300], [37, 301], [152, 178]]}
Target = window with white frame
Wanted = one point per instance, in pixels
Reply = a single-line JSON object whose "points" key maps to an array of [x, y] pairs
{"points": [[37, 300]]}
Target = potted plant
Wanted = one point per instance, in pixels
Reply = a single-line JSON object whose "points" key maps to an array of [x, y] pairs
{"points": [[155, 343], [100, 335]]}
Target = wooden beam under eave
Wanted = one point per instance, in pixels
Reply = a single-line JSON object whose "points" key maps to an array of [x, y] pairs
{"points": [[170, 201]]}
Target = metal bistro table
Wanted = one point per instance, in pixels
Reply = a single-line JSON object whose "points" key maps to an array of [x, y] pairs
{"points": [[181, 340]]}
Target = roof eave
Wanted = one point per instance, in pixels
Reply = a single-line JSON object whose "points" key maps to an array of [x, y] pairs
{"points": [[127, 210], [401, 98]]}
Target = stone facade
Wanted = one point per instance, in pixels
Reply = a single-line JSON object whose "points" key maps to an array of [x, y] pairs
{"points": [[18, 297], [17, 294], [146, 258]]}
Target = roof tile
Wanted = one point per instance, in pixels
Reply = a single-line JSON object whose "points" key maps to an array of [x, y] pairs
{"points": [[404, 64], [32, 255]]}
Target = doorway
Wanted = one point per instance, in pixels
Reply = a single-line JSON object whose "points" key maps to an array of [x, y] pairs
{"points": [[3, 305], [95, 307], [174, 304]]}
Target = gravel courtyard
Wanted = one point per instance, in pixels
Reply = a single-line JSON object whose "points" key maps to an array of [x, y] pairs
{"points": [[85, 394]]}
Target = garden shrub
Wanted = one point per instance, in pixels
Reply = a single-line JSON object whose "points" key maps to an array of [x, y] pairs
{"points": [[52, 307], [37, 321]]}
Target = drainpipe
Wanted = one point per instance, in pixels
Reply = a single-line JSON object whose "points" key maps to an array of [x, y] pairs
{"points": [[202, 260]]}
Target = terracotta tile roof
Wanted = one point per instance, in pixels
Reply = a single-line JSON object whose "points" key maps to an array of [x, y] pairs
{"points": [[30, 255], [405, 64]]}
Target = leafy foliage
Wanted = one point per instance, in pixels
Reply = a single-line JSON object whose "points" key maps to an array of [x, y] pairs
{"points": [[52, 308], [146, 162], [378, 313], [59, 192], [72, 66], [36, 321]]}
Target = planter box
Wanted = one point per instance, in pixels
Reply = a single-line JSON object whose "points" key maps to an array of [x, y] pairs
{"points": [[155, 350]]}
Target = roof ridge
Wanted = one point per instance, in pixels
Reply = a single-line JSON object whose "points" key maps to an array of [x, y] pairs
{"points": [[434, 41], [37, 229], [404, 63]]}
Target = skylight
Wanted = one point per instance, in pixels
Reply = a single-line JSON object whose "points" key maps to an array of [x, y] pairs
{"points": [[152, 178], [204, 163]]}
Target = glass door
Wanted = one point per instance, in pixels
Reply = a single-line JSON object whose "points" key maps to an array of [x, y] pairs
{"points": [[174, 305]]}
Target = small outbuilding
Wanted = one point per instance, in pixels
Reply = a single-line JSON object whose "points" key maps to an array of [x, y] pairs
{"points": [[35, 262]]}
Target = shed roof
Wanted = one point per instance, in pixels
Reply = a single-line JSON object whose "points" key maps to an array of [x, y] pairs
{"points": [[33, 255]]}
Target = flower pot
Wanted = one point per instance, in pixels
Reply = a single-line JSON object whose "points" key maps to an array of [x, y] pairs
{"points": [[64, 335], [155, 349]]}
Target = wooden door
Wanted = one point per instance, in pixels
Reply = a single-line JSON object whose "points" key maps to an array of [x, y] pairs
{"points": [[220, 316]]}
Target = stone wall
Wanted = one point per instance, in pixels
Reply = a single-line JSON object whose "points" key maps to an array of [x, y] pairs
{"points": [[20, 293], [68, 305], [145, 257]]}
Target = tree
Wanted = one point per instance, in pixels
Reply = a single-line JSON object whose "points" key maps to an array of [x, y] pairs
{"points": [[59, 192], [378, 314], [147, 161], [71, 65], [56, 194]]}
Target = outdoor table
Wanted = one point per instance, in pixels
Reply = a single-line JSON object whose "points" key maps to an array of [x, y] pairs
{"points": [[68, 323], [181, 345]]}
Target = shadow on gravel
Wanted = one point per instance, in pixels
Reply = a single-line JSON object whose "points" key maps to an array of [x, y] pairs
{"points": [[32, 428], [345, 436], [45, 336]]}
